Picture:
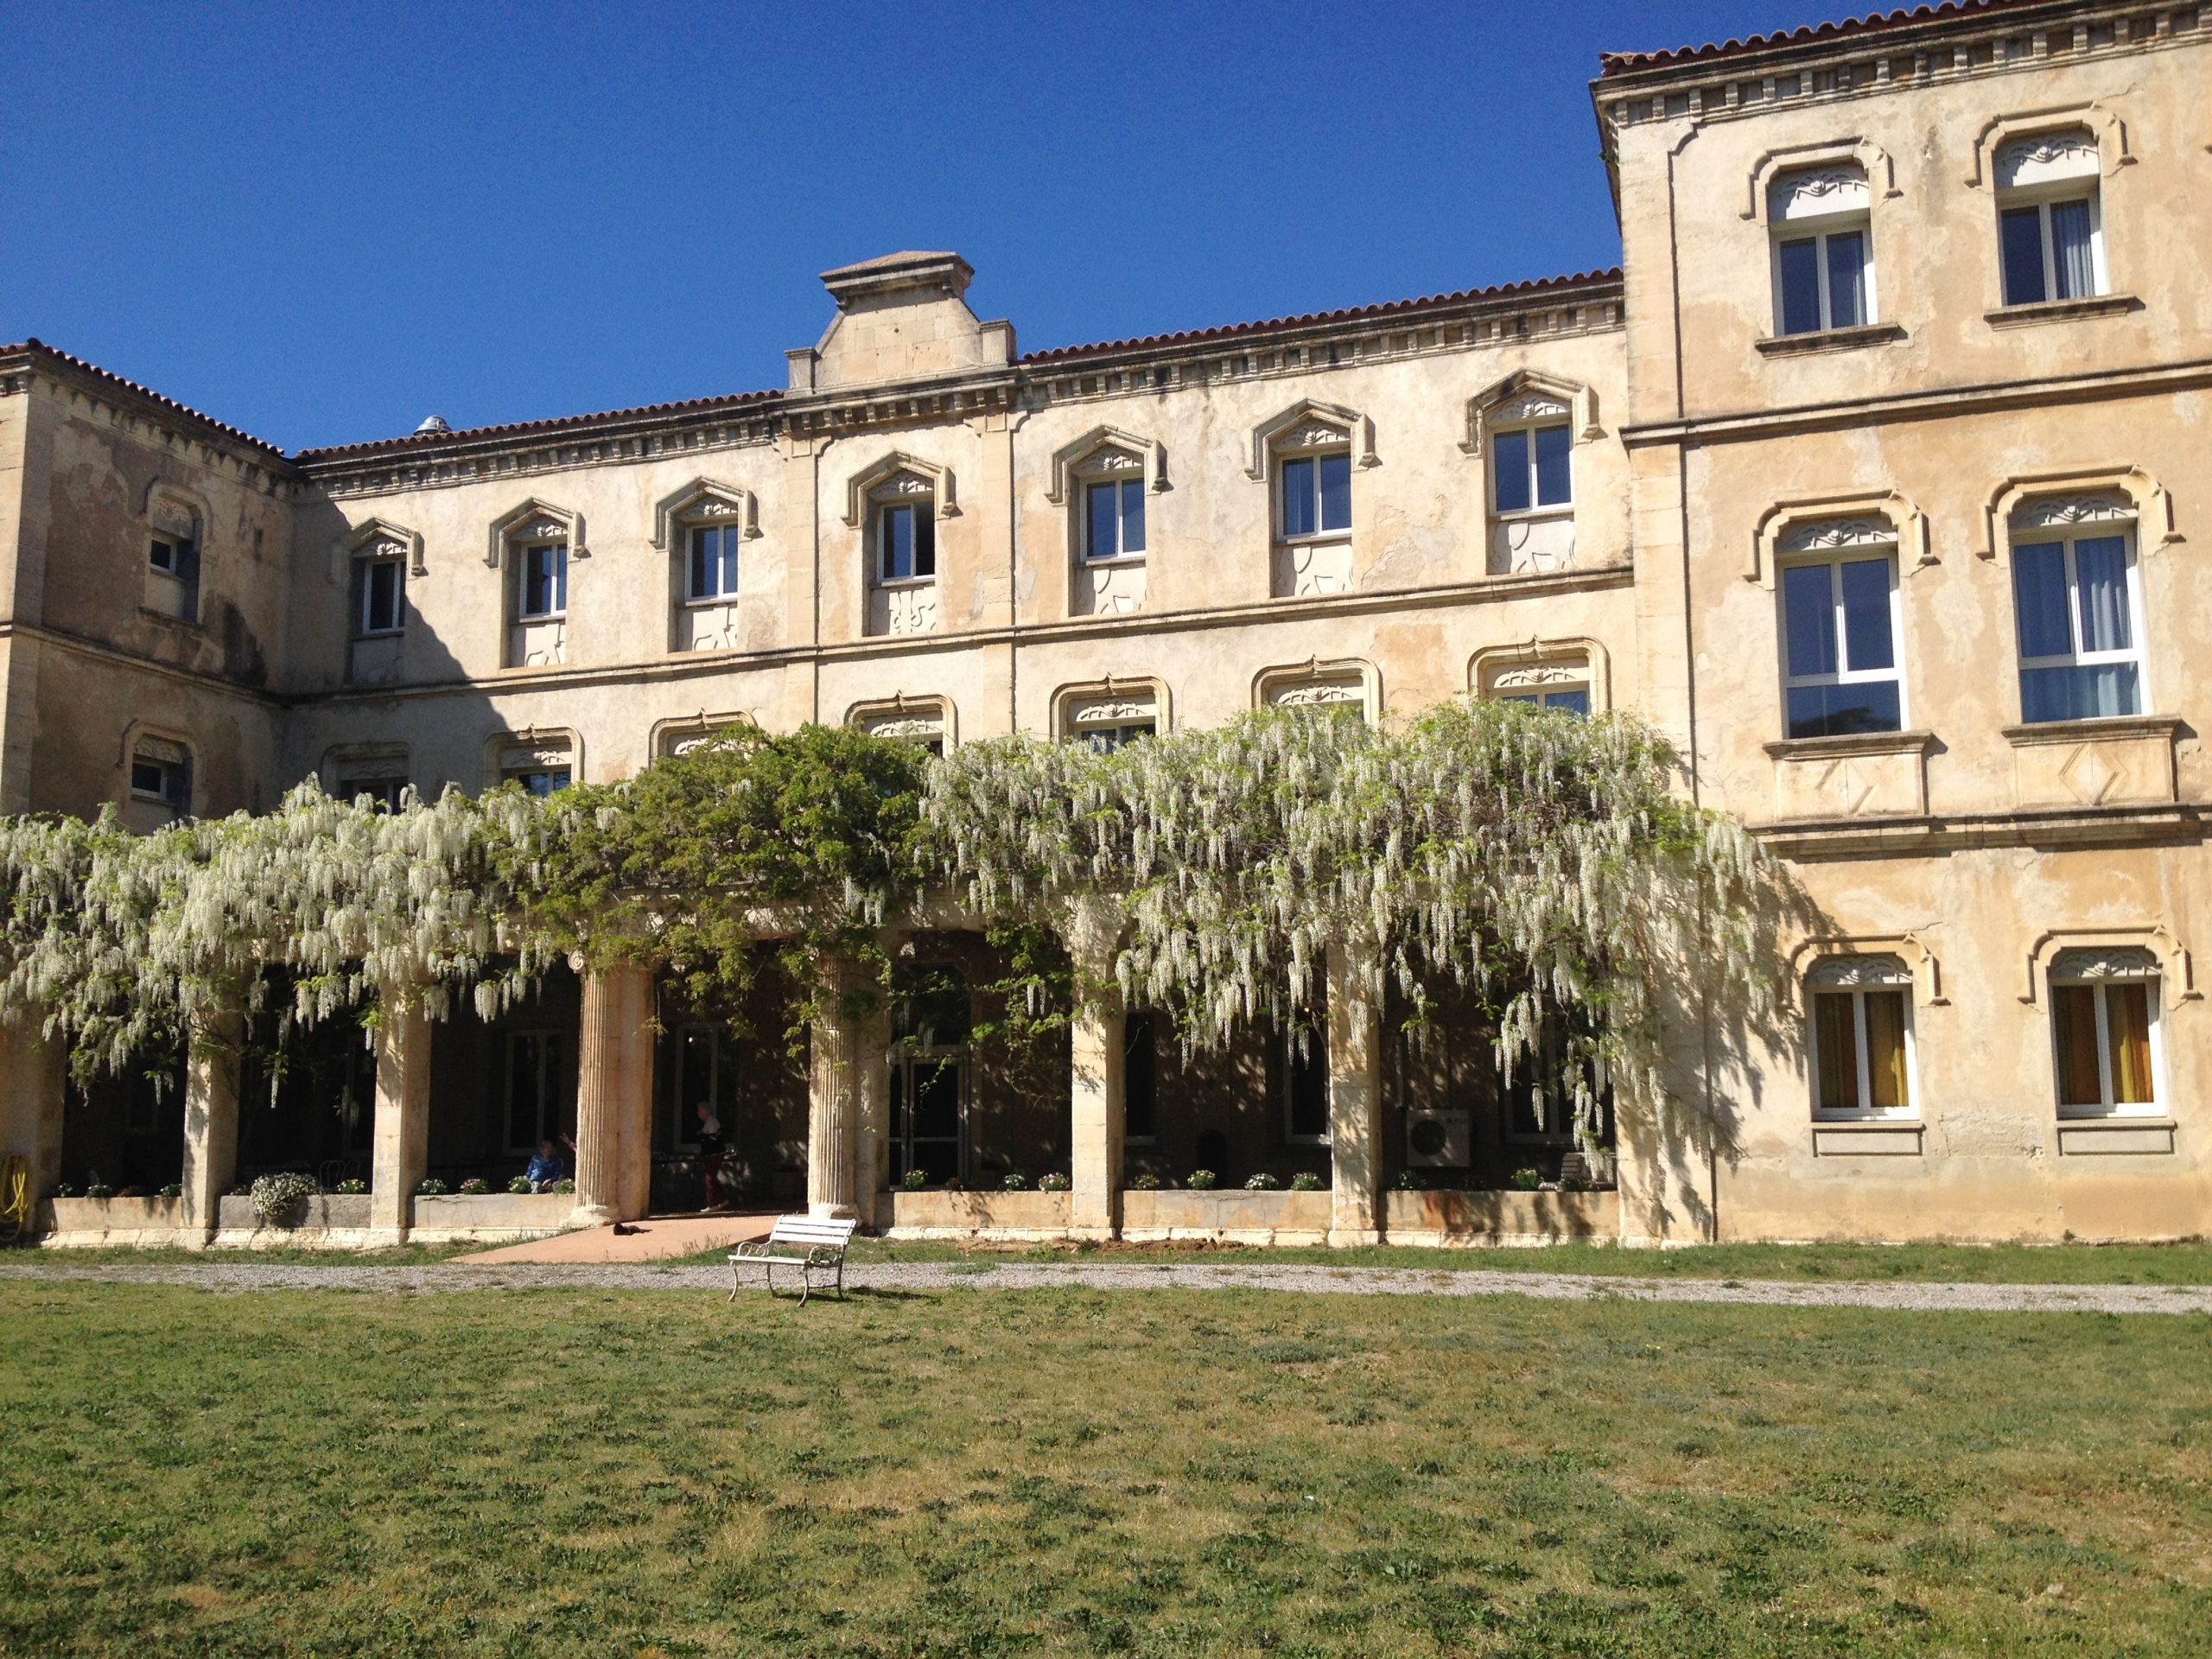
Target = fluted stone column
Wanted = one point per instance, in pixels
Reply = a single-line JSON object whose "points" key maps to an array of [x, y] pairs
{"points": [[1097, 1056], [847, 1084], [33, 1078], [1355, 1096], [614, 1094], [211, 1120], [401, 1150]]}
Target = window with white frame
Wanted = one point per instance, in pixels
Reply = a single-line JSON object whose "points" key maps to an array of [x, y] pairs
{"points": [[161, 773], [1562, 685], [1840, 623], [904, 527], [173, 558], [383, 790], [542, 768], [1335, 688], [1312, 484], [540, 580], [1112, 492], [2106, 1046], [2049, 219], [921, 722], [1532, 467], [1861, 1047], [1823, 250], [1109, 719], [2076, 595], [380, 596], [712, 573]]}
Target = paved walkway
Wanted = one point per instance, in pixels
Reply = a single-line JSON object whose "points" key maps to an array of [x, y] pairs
{"points": [[654, 1239], [216, 1274]]}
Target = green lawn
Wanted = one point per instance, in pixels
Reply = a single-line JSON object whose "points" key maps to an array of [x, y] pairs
{"points": [[1074, 1472]]}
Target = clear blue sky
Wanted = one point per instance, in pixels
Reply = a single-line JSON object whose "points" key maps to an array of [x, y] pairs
{"points": [[321, 222]]}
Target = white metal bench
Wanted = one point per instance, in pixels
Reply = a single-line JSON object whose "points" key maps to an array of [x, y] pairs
{"points": [[811, 1243]]}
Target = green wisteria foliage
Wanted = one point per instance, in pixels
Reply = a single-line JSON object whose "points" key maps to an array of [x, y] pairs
{"points": [[1546, 862]]}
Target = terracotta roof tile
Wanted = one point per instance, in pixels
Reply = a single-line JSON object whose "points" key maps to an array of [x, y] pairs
{"points": [[1621, 63], [427, 441], [37, 348], [1391, 309]]}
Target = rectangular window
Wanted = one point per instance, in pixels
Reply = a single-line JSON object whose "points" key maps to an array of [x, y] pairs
{"points": [[1305, 1066], [2079, 659], [906, 543], [1316, 495], [1839, 648], [1861, 1064], [2049, 251], [383, 583], [1566, 699], [160, 771], [713, 563], [533, 1109], [540, 781], [1532, 467], [1140, 1081], [1106, 739], [1820, 282], [1113, 516], [150, 779], [384, 794], [545, 572], [2104, 1033], [166, 557]]}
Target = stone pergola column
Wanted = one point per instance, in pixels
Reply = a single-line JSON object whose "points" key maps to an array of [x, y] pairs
{"points": [[401, 1151], [1355, 1095], [211, 1118], [1097, 1056], [614, 1094], [847, 1081], [33, 1083]]}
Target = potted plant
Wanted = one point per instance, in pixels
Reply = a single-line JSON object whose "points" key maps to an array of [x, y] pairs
{"points": [[1015, 1181], [1306, 1181], [564, 1184], [914, 1180], [1055, 1182], [352, 1187], [1201, 1180], [475, 1188], [1262, 1182], [278, 1198], [519, 1185], [431, 1187], [1147, 1182]]}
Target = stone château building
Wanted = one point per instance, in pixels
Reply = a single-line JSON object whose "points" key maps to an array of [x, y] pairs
{"points": [[1877, 478]]}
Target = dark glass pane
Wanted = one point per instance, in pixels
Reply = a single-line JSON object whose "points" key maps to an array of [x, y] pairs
{"points": [[2097, 693], [702, 551], [729, 559], [1510, 471], [1139, 1091], [561, 577], [1101, 501], [896, 531], [1809, 617], [937, 1099], [1336, 491], [1309, 1085], [2039, 594], [2071, 257], [1573, 703], [148, 778], [935, 1019], [1847, 279], [924, 540], [1800, 286], [2021, 233], [526, 1057], [1842, 710], [1298, 503], [2100, 569], [1867, 642], [2074, 1023], [1131, 516], [1554, 479], [382, 597], [1835, 1061]]}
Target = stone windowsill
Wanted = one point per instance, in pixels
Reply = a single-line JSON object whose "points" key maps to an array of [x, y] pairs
{"points": [[380, 634], [1118, 562], [2096, 305], [1830, 339], [191, 623], [2116, 1137], [903, 584], [2090, 731], [718, 601], [1537, 515], [1868, 1137], [1829, 748]]}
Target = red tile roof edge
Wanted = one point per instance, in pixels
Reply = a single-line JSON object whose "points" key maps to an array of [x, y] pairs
{"points": [[35, 348], [1350, 314], [552, 423], [1610, 64]]}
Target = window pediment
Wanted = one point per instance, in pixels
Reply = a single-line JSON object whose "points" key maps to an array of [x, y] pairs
{"points": [[2106, 962], [1837, 973], [1106, 452], [1817, 533], [705, 501], [2045, 158], [2099, 506], [899, 476], [536, 520], [1809, 523], [1525, 397], [1818, 193], [376, 538], [1308, 426]]}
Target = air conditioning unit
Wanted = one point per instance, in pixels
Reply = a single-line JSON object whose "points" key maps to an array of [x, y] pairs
{"points": [[1439, 1139]]}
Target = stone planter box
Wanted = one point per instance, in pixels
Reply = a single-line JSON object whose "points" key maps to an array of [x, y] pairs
{"points": [[137, 1221], [979, 1215], [1499, 1217], [328, 1221], [1234, 1216], [491, 1217]]}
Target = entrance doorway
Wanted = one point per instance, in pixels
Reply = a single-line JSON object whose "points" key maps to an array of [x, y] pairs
{"points": [[930, 1087]]}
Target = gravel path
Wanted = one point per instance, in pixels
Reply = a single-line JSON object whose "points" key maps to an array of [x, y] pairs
{"points": [[245, 1275]]}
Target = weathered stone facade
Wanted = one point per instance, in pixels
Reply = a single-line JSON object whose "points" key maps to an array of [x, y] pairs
{"points": [[1332, 509]]}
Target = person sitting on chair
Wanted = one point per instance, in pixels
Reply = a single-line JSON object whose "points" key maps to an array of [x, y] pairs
{"points": [[547, 1168]]}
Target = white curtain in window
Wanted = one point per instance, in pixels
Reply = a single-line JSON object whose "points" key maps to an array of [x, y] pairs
{"points": [[2069, 244]]}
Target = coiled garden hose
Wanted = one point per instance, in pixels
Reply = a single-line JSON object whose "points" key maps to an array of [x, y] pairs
{"points": [[15, 1196]]}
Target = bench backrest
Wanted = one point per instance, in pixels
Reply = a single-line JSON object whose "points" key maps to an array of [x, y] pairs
{"points": [[807, 1231]]}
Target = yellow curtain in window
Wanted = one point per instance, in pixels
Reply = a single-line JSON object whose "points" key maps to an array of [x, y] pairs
{"points": [[1887, 1085], [2127, 1022], [1836, 1056], [2074, 1017]]}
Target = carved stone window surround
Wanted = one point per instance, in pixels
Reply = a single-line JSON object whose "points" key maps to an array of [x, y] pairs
{"points": [[2101, 122], [1071, 460], [1535, 664], [882, 482], [536, 521], [547, 746], [1877, 171], [2175, 966], [1111, 701], [922, 719], [684, 732], [1349, 682], [1510, 403], [1804, 517], [2153, 506], [2093, 305], [1921, 963], [1311, 425], [705, 501]]}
